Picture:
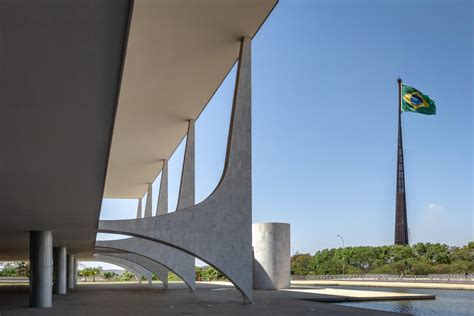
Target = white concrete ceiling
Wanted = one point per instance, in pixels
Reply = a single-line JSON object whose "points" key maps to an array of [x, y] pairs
{"points": [[178, 54]]}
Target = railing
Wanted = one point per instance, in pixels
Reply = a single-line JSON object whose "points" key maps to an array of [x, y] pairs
{"points": [[14, 280], [450, 278]]}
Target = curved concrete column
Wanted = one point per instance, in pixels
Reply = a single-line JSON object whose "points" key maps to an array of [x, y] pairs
{"points": [[162, 206], [271, 246], [137, 270], [181, 263], [218, 230], [148, 205], [150, 265], [139, 208], [186, 197]]}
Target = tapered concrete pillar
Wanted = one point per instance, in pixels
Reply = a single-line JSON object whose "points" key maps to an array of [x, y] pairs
{"points": [[149, 197], [139, 208], [59, 270], [162, 206], [41, 268], [70, 271], [187, 187]]}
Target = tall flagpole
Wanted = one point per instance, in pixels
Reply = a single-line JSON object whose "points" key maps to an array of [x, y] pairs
{"points": [[401, 226]]}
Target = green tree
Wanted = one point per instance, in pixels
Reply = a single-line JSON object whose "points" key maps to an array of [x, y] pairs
{"points": [[86, 272], [208, 273], [8, 270], [173, 277], [95, 272], [419, 259], [109, 275], [126, 276], [301, 264]]}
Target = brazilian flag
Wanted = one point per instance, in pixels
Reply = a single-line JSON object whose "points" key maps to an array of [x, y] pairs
{"points": [[415, 101]]}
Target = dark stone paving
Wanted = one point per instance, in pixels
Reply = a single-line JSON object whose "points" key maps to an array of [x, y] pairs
{"points": [[135, 299]]}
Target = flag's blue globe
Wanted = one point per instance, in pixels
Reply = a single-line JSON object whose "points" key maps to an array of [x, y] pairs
{"points": [[416, 99]]}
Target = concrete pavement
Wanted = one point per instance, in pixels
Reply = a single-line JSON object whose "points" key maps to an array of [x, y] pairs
{"points": [[210, 299]]}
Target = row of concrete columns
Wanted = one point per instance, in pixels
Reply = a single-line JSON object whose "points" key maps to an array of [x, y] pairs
{"points": [[186, 197], [52, 270], [179, 262]]}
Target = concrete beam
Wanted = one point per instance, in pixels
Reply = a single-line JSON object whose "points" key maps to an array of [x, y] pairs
{"points": [[59, 270], [159, 270], [149, 197], [162, 206], [41, 269], [186, 197], [218, 230], [181, 263], [137, 270]]}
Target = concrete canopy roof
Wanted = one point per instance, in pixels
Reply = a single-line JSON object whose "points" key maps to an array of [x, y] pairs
{"points": [[60, 92], [178, 54]]}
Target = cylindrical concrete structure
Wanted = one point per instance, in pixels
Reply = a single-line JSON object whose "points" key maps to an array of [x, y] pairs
{"points": [[41, 268], [75, 272], [271, 264], [70, 271], [59, 270]]}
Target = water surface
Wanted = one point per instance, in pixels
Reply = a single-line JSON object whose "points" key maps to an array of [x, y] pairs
{"points": [[447, 302]]}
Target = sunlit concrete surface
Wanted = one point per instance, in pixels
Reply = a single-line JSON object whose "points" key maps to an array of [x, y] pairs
{"points": [[271, 249], [338, 295], [412, 285], [210, 299]]}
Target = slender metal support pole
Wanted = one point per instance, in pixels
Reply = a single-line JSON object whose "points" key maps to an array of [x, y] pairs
{"points": [[343, 257], [401, 225]]}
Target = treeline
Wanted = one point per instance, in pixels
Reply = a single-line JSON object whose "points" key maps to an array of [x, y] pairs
{"points": [[419, 259], [207, 273], [15, 269]]}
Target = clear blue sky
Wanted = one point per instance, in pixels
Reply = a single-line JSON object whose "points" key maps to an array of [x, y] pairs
{"points": [[324, 123]]}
